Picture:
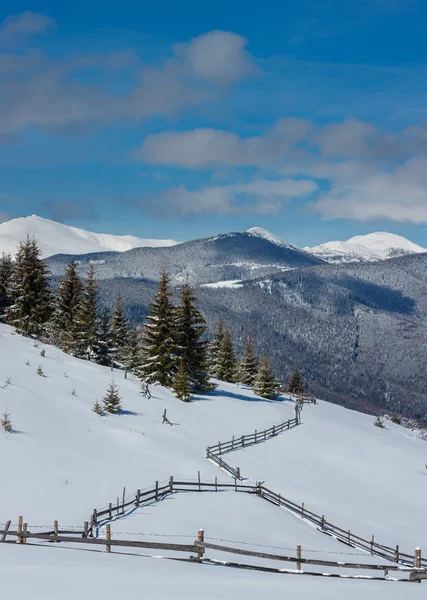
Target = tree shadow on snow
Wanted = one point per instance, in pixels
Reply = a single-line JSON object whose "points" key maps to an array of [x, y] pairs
{"points": [[220, 393]]}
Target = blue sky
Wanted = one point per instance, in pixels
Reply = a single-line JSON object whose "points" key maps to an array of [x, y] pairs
{"points": [[185, 119]]}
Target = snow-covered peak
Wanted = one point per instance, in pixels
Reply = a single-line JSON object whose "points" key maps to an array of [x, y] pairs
{"points": [[366, 248], [267, 235], [57, 238]]}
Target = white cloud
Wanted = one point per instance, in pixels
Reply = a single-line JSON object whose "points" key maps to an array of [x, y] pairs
{"points": [[218, 56], [24, 24], [262, 196], [399, 195]]}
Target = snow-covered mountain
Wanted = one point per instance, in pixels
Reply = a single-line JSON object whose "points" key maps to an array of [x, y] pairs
{"points": [[366, 248], [56, 238]]}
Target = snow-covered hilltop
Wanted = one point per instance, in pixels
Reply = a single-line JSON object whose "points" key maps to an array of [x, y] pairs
{"points": [[56, 238], [366, 248]]}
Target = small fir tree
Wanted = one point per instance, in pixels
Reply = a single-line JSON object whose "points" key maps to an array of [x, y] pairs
{"points": [[29, 291], [112, 400], [87, 319], [248, 365], [5, 422], [226, 361], [132, 352], [265, 382], [6, 268], [97, 408], [190, 328], [379, 422], [181, 384], [296, 384], [119, 332], [40, 371], [160, 350]]}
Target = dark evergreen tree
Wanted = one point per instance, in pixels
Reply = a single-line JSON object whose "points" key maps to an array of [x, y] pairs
{"points": [[112, 401], [6, 267], [182, 384], [97, 409], [248, 365], [66, 306], [119, 332], [265, 382], [29, 291], [225, 368], [132, 351], [296, 384], [214, 346], [102, 347], [192, 349], [160, 351], [87, 319], [5, 422]]}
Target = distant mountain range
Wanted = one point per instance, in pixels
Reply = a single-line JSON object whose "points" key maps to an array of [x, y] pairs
{"points": [[56, 238], [366, 248]]}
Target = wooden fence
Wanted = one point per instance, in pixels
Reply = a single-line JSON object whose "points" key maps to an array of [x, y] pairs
{"points": [[215, 452]]}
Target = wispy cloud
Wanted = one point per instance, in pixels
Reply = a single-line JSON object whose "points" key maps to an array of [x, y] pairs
{"points": [[63, 210], [24, 24]]}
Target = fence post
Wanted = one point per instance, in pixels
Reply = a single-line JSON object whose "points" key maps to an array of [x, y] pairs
{"points": [[110, 511], [302, 509], [85, 529], [235, 483], [108, 538], [55, 529], [138, 497], [232, 443], [6, 529], [123, 503], [216, 484], [95, 517], [243, 441], [20, 519], [396, 556], [24, 530], [238, 473], [322, 523], [198, 477], [157, 490], [417, 558], [372, 544], [274, 430], [200, 538], [299, 557], [256, 440], [265, 434], [280, 500], [117, 507], [171, 483]]}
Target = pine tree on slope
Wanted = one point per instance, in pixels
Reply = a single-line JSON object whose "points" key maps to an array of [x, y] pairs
{"points": [[160, 352], [112, 400], [102, 353], [6, 268], [214, 347], [248, 365], [226, 361], [29, 291], [119, 331], [132, 351], [190, 327], [87, 319], [265, 382], [296, 385], [181, 383], [67, 302]]}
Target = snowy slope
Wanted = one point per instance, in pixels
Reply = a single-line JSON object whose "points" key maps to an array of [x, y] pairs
{"points": [[56, 238], [366, 248], [63, 460]]}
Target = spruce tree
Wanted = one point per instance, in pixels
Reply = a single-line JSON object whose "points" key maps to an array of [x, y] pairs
{"points": [[132, 351], [97, 409], [248, 365], [86, 327], [225, 368], [102, 353], [181, 383], [296, 385], [160, 351], [214, 346], [6, 268], [119, 331], [66, 307], [29, 291], [5, 422], [112, 400], [190, 328], [265, 382]]}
